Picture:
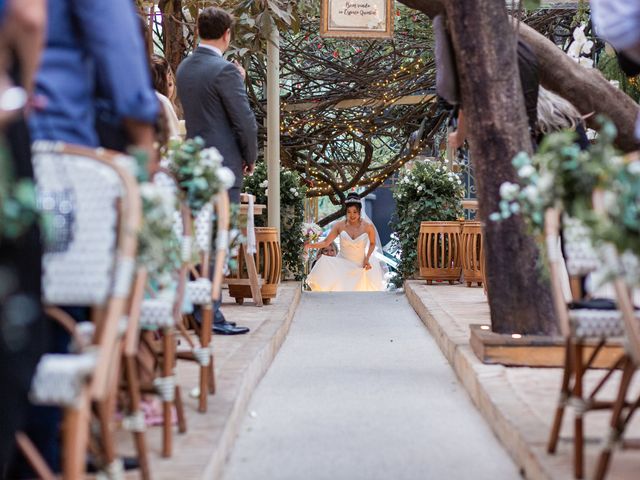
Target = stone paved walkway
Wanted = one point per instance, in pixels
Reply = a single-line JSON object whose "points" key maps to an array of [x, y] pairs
{"points": [[517, 402], [240, 361], [360, 390]]}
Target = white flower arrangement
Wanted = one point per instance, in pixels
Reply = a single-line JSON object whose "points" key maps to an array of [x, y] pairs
{"points": [[580, 46], [311, 232], [199, 171], [158, 244]]}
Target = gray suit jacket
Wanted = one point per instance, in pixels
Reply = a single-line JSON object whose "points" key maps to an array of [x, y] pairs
{"points": [[216, 108]]}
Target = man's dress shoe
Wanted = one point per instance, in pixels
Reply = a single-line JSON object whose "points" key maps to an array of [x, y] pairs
{"points": [[228, 329]]}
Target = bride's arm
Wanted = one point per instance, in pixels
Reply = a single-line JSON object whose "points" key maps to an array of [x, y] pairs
{"points": [[372, 246], [333, 234]]}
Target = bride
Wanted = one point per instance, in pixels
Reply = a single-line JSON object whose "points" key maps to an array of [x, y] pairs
{"points": [[352, 269]]}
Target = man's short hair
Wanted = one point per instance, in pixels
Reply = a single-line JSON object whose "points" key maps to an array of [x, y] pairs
{"points": [[213, 22]]}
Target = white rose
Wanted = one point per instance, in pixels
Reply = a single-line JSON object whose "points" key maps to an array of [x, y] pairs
{"points": [[508, 190], [293, 190], [545, 183], [210, 157], [531, 193], [634, 167], [264, 184], [226, 177], [526, 171]]}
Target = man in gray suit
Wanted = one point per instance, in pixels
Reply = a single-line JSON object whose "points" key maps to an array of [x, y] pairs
{"points": [[213, 96]]}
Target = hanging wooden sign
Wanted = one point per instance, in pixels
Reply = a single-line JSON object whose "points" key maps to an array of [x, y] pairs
{"points": [[357, 18]]}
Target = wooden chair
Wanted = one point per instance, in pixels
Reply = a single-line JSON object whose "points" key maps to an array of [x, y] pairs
{"points": [[164, 315], [92, 261], [623, 409], [247, 281], [207, 287], [581, 327]]}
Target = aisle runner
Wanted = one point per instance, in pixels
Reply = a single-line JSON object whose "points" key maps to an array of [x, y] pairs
{"points": [[360, 390]]}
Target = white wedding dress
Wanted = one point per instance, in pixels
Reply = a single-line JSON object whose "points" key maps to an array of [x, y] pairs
{"points": [[344, 272]]}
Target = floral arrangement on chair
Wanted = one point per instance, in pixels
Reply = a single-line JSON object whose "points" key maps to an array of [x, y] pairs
{"points": [[427, 192], [159, 247], [198, 170], [559, 174]]}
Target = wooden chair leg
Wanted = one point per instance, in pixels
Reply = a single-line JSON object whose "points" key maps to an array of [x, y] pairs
{"points": [[578, 436], [212, 376], [562, 401], [615, 424], [105, 418], [168, 360], [34, 458], [139, 437], [75, 432], [205, 339], [182, 419]]}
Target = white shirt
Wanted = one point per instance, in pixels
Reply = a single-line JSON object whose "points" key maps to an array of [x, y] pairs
{"points": [[212, 48]]}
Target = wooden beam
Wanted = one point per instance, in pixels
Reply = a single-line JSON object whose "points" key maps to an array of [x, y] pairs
{"points": [[359, 102]]}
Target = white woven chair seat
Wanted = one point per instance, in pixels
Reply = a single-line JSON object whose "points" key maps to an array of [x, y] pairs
{"points": [[156, 313], [199, 291], [203, 227], [81, 273], [59, 378], [593, 323], [580, 256]]}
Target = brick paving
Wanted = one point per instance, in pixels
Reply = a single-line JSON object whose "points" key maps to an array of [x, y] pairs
{"points": [[518, 402], [241, 361]]}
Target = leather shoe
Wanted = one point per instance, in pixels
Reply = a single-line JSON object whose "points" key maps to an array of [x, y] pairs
{"points": [[228, 329]]}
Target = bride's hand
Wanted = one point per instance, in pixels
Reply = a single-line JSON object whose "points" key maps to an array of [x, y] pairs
{"points": [[366, 265]]}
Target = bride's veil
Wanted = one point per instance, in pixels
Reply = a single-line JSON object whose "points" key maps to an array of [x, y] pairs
{"points": [[378, 252]]}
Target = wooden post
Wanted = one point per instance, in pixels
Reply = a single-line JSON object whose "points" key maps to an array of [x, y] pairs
{"points": [[273, 128]]}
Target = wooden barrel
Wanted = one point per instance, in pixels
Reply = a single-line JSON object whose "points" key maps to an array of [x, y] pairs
{"points": [[472, 253], [268, 258], [439, 251]]}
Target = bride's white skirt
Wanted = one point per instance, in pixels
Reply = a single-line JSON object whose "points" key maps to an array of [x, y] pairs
{"points": [[337, 274]]}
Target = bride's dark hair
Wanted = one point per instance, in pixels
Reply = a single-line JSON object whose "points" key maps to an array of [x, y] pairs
{"points": [[353, 200]]}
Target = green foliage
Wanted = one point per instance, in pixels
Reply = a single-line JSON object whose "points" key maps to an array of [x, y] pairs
{"points": [[428, 192], [198, 170], [621, 225], [608, 65], [292, 194], [559, 174], [18, 206], [158, 245]]}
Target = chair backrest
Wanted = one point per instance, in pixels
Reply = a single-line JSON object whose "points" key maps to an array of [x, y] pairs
{"points": [[95, 209], [624, 294]]}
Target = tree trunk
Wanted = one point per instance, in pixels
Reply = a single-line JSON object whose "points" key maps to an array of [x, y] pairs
{"points": [[174, 42], [498, 129], [484, 41]]}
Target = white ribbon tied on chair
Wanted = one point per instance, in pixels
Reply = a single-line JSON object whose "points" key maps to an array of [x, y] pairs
{"points": [[203, 355], [166, 388], [251, 228]]}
